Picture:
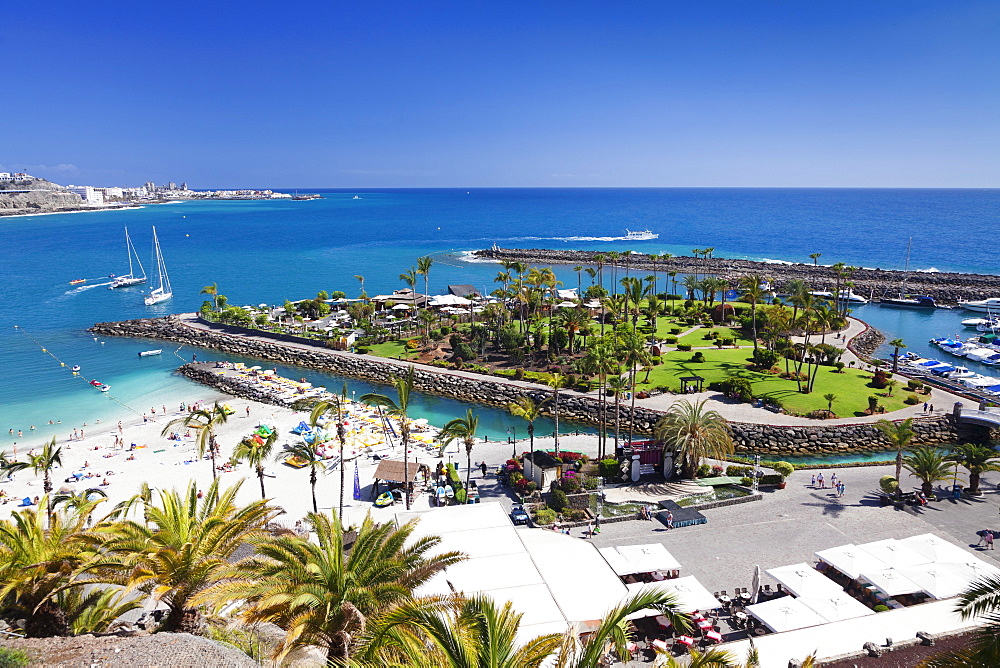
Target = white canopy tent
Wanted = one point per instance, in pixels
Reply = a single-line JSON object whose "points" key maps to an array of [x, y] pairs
{"points": [[837, 607], [691, 594], [892, 582], [448, 300], [786, 614], [648, 558], [938, 580], [539, 572], [851, 560], [894, 553], [936, 549], [619, 564], [802, 580]]}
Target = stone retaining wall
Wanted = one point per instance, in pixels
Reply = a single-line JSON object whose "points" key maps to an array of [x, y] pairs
{"points": [[757, 438]]}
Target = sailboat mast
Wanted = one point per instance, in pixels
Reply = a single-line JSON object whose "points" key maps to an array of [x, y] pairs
{"points": [[128, 249]]}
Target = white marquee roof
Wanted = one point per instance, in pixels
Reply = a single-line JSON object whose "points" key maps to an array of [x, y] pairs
{"points": [[691, 594], [851, 560], [804, 580], [786, 614], [894, 553], [644, 558], [891, 581]]}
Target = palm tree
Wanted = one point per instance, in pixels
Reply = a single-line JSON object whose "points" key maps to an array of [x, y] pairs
{"points": [[691, 283], [618, 386], [334, 409], [981, 600], [713, 657], [43, 463], [976, 459], [308, 453], [398, 409], [183, 550], [203, 421], [94, 610], [927, 464], [409, 277], [694, 433], [815, 258], [39, 557], [255, 451], [322, 592], [458, 633], [899, 435], [556, 381], [830, 398], [465, 429], [753, 293], [361, 279], [896, 345], [213, 291], [528, 410], [424, 269]]}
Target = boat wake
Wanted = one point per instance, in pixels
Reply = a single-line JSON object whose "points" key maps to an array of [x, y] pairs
{"points": [[84, 288]]}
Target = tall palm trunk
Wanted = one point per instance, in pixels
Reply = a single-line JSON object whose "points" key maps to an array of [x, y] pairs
{"points": [[312, 484], [260, 476]]}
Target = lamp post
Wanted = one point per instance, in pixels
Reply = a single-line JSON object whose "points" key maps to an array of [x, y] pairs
{"points": [[513, 430]]}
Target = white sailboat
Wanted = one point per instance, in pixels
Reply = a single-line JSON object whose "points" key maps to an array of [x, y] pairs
{"points": [[163, 292], [130, 278]]}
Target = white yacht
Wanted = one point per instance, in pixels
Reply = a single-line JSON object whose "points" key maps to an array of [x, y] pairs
{"points": [[640, 235], [975, 323], [980, 354], [163, 292], [130, 278], [846, 295], [982, 306]]}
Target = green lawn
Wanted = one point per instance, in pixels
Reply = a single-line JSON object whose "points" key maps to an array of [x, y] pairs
{"points": [[697, 337], [393, 349], [851, 387]]}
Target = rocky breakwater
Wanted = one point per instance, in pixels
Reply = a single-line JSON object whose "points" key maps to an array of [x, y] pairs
{"points": [[759, 438], [835, 439], [866, 343], [945, 287]]}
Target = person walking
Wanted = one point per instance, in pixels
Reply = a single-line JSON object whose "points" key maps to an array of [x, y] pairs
{"points": [[483, 468], [822, 483], [813, 483], [989, 540], [670, 520]]}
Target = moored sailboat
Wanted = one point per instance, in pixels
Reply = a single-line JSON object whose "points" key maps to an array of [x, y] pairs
{"points": [[130, 278], [164, 291]]}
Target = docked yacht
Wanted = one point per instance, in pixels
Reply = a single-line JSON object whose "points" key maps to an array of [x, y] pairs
{"points": [[982, 306], [847, 295], [982, 324]]}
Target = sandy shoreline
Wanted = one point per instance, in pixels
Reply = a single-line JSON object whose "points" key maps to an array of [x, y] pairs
{"points": [[163, 463]]}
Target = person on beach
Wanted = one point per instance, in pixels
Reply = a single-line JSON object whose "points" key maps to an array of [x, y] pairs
{"points": [[248, 411], [989, 537], [483, 468]]}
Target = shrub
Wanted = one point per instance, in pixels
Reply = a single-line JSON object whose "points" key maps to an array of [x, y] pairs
{"points": [[576, 515], [704, 471], [570, 484], [734, 471], [670, 339], [675, 330], [698, 356], [911, 400], [880, 380], [774, 479], [13, 658], [745, 481], [716, 470], [461, 496], [684, 347], [590, 482], [913, 385], [839, 365], [519, 374], [784, 469], [880, 608], [545, 516], [739, 388], [558, 501], [765, 359], [609, 469], [728, 342], [888, 484]]}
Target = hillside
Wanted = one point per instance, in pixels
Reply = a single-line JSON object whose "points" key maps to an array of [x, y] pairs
{"points": [[44, 197]]}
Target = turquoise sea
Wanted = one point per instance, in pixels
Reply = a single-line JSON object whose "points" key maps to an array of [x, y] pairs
{"points": [[269, 251]]}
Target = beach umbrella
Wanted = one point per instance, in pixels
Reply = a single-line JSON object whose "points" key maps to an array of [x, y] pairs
{"points": [[357, 483]]}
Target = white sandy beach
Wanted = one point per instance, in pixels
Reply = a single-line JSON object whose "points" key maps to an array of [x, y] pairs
{"points": [[163, 463]]}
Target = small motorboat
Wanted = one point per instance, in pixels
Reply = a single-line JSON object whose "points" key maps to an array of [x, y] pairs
{"points": [[385, 499], [78, 281], [150, 353], [75, 368], [104, 388]]}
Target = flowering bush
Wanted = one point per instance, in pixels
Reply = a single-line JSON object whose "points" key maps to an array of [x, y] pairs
{"points": [[717, 470], [513, 465], [567, 457]]}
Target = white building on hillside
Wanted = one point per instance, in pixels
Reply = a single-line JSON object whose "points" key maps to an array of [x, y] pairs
{"points": [[88, 194]]}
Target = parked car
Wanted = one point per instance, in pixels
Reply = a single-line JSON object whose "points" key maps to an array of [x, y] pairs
{"points": [[518, 515]]}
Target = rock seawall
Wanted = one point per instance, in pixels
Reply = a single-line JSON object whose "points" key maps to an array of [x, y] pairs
{"points": [[759, 438], [945, 287]]}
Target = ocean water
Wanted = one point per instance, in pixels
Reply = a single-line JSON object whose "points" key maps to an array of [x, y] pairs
{"points": [[269, 251]]}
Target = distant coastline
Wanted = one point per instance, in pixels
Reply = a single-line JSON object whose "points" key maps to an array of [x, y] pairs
{"points": [[18, 213]]}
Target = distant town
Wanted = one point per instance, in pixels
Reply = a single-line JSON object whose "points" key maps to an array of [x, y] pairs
{"points": [[21, 193]]}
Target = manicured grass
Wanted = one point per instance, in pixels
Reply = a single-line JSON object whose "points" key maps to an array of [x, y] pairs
{"points": [[851, 387], [697, 337], [393, 349]]}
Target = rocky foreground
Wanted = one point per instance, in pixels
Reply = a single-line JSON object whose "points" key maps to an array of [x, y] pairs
{"points": [[944, 287]]}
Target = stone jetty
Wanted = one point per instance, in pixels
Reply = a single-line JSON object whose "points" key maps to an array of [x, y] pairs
{"points": [[944, 287], [489, 390]]}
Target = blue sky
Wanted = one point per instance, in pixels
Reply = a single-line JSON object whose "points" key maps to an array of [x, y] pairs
{"points": [[504, 93]]}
